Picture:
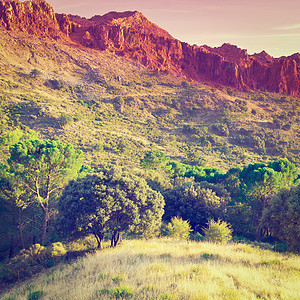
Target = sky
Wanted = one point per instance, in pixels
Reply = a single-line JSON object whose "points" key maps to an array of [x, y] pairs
{"points": [[257, 25]]}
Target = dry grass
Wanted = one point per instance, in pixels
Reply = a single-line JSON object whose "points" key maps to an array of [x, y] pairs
{"points": [[168, 269]]}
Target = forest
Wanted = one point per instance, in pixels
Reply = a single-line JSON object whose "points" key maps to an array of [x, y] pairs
{"points": [[48, 196]]}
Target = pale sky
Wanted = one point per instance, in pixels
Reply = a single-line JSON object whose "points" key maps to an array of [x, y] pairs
{"points": [[270, 25]]}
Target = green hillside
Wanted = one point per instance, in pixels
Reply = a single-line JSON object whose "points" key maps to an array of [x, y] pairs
{"points": [[115, 110]]}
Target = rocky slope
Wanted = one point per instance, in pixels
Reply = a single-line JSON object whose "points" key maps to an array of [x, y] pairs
{"points": [[131, 35]]}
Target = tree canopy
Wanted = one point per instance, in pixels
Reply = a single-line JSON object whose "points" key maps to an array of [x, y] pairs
{"points": [[196, 202], [283, 217], [41, 168], [110, 201]]}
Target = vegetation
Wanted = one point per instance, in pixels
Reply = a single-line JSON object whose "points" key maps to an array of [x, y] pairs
{"points": [[179, 229], [170, 269], [212, 154], [282, 217], [110, 202], [218, 232], [194, 203]]}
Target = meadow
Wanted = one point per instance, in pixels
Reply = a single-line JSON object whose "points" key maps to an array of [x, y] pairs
{"points": [[169, 269]]}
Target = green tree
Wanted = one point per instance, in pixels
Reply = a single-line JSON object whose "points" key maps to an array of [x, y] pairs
{"points": [[259, 183], [155, 159], [218, 231], [110, 201], [42, 168], [283, 217], [195, 202], [17, 228], [179, 228], [13, 137]]}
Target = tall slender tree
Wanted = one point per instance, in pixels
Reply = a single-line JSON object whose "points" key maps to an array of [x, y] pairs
{"points": [[42, 168]]}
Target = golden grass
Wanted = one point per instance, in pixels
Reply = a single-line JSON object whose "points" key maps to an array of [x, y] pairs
{"points": [[169, 269]]}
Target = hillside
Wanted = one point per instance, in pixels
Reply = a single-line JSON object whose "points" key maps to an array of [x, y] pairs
{"points": [[115, 109], [169, 269]]}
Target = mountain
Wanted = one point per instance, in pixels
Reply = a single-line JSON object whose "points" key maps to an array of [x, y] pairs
{"points": [[117, 86], [131, 35]]}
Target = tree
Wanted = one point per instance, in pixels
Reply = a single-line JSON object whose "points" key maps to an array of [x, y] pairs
{"points": [[195, 202], [42, 168], [155, 159], [179, 228], [283, 217], [110, 201], [14, 137], [259, 183], [218, 232], [16, 227]]}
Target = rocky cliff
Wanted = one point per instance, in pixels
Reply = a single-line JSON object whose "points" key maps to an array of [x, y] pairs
{"points": [[131, 35], [34, 17]]}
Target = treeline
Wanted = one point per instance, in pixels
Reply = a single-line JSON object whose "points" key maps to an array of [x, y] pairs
{"points": [[260, 201], [48, 195]]}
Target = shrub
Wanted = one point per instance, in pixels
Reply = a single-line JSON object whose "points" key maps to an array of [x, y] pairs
{"points": [[35, 73], [221, 129], [118, 279], [35, 295], [179, 228], [58, 249], [218, 232], [65, 120], [122, 292], [34, 252]]}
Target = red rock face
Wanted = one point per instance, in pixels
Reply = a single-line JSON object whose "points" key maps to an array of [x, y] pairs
{"points": [[33, 17], [131, 35]]}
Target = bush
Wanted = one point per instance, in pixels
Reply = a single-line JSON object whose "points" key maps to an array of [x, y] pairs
{"points": [[35, 73], [34, 252], [218, 232], [65, 120], [179, 229], [282, 217], [35, 295], [122, 292], [221, 129], [58, 249]]}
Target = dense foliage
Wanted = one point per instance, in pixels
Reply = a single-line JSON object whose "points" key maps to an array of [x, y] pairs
{"points": [[178, 229], [282, 217], [218, 232], [195, 202], [111, 202], [31, 179]]}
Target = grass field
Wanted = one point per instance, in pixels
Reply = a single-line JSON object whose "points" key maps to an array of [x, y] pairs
{"points": [[169, 269]]}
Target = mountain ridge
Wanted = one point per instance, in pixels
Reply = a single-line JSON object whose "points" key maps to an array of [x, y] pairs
{"points": [[131, 35]]}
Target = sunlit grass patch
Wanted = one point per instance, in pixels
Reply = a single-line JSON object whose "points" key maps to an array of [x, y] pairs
{"points": [[168, 269]]}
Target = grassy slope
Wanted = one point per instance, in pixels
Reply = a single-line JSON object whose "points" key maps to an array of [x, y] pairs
{"points": [[169, 269], [158, 111]]}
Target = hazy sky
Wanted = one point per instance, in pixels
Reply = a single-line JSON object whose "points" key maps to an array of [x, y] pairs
{"points": [[270, 25]]}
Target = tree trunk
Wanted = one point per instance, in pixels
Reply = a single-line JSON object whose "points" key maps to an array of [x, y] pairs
{"points": [[114, 239], [45, 224], [99, 238], [34, 234], [20, 228], [12, 247]]}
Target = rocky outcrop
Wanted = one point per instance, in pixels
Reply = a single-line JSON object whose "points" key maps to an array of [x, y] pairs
{"points": [[34, 17], [132, 35]]}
